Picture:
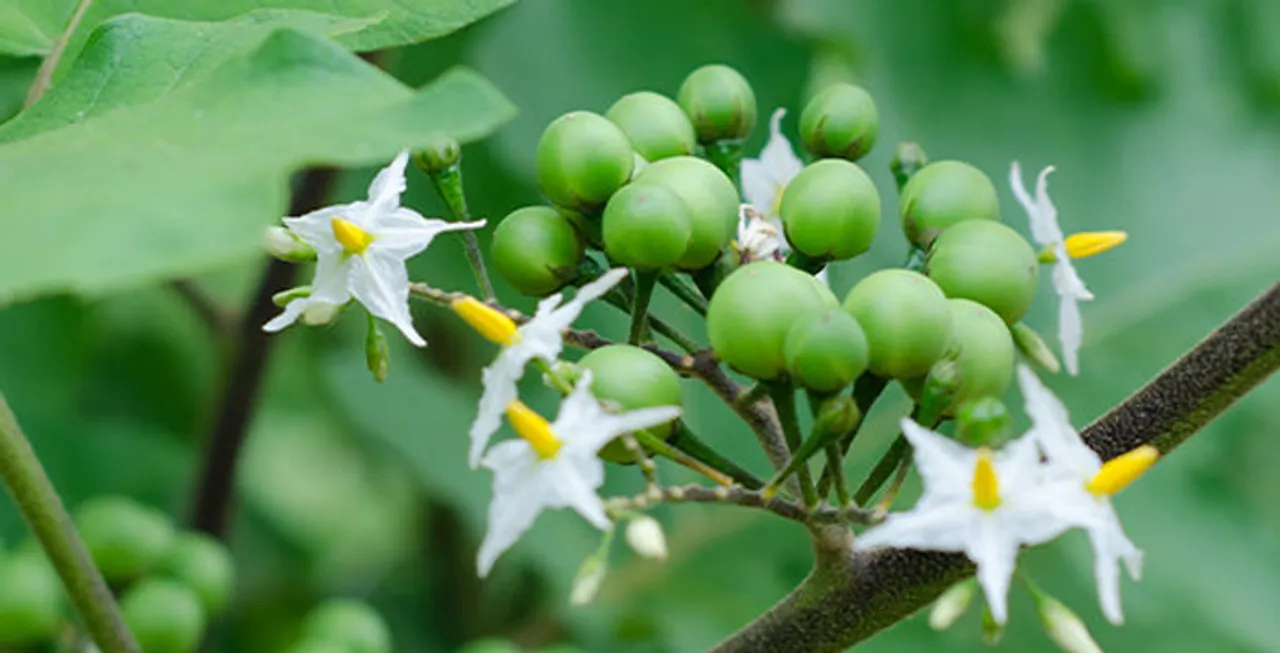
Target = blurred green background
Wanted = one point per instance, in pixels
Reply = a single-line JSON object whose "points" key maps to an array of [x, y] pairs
{"points": [[1162, 117]]}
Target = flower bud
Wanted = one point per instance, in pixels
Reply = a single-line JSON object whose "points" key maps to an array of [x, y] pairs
{"points": [[943, 194], [719, 103], [441, 154], [908, 159], [838, 414], [376, 356], [939, 389], [952, 604], [655, 125], [987, 262], [581, 160], [1034, 347], [537, 250], [983, 422], [646, 227], [587, 583], [283, 297], [1064, 627], [992, 630], [831, 210], [320, 313], [644, 534], [906, 320], [840, 122], [282, 244]]}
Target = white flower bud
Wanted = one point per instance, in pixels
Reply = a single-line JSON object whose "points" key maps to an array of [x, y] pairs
{"points": [[1065, 628], [952, 604], [587, 582], [282, 244], [644, 534], [320, 313]]}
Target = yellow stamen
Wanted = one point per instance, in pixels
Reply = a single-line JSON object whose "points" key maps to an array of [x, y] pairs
{"points": [[488, 321], [986, 489], [354, 240], [1122, 470], [534, 429], [1089, 243]]}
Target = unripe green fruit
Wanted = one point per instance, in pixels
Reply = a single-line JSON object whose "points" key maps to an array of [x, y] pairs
{"points": [[711, 198], [719, 103], [655, 125], [906, 320], [125, 539], [442, 153], [826, 350], [983, 422], [983, 351], [943, 194], [646, 227], [752, 311], [312, 645], [632, 378], [164, 616], [831, 210], [582, 160], [841, 122], [987, 262], [355, 625], [537, 250], [31, 600], [203, 564]]}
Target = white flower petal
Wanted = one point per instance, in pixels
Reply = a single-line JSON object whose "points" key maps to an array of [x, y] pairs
{"points": [[939, 527], [499, 380], [292, 311], [1070, 332], [757, 185], [996, 555], [941, 461], [1040, 211], [404, 233], [1052, 427], [381, 283], [518, 497], [388, 184], [778, 156], [316, 227], [577, 491]]}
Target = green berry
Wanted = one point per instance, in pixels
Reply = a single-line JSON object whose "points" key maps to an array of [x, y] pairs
{"points": [[983, 422], [983, 351], [31, 600], [632, 378], [831, 210], [350, 623], [646, 227], [943, 194], [164, 616], [655, 125], [711, 198], [125, 539], [312, 645], [537, 250], [906, 320], [719, 103], [582, 160], [841, 121], [204, 564], [826, 350], [752, 311], [987, 262], [441, 154]]}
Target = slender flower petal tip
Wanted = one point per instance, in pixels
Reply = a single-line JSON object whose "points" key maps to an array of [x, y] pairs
{"points": [[764, 179], [644, 535]]}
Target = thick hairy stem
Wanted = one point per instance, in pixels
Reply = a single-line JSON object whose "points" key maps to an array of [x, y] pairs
{"points": [[850, 596]]}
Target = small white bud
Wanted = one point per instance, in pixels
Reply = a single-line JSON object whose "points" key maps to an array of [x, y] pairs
{"points": [[320, 313], [282, 244], [952, 604], [644, 534], [1065, 628], [587, 582]]}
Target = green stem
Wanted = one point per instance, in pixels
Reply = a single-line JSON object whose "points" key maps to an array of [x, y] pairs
{"points": [[757, 392], [881, 472], [43, 511], [449, 184], [835, 472], [687, 441], [645, 281], [661, 448], [727, 155], [685, 291], [784, 401], [866, 390], [621, 301]]}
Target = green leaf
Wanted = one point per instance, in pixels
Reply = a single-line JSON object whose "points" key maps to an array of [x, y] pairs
{"points": [[184, 183]]}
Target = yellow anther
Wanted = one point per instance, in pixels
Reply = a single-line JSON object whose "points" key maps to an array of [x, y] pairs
{"points": [[1088, 243], [488, 321], [1119, 472], [534, 429], [354, 240], [986, 489]]}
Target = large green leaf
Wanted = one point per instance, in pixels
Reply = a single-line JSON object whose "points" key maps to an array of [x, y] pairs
{"points": [[185, 182]]}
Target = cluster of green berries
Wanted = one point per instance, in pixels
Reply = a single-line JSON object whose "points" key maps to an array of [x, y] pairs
{"points": [[343, 626]]}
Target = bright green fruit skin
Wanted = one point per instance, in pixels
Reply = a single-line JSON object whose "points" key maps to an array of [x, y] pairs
{"points": [[646, 227], [831, 210], [125, 539], [752, 311], [987, 262], [655, 125], [203, 564], [31, 600], [719, 102], [984, 350], [536, 249], [711, 198], [632, 378], [943, 194], [841, 122], [582, 159], [906, 320], [825, 351], [164, 615], [353, 624]]}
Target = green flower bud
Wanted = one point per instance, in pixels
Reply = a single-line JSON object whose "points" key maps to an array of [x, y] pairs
{"points": [[1034, 347], [983, 422], [164, 616], [31, 600], [582, 160], [825, 350], [126, 540], [646, 227], [906, 320], [837, 414], [943, 194], [655, 125], [983, 351], [631, 378], [352, 624], [719, 103], [376, 355], [282, 244], [203, 564], [537, 250], [840, 122], [987, 262], [441, 154], [752, 311], [831, 210], [908, 159], [936, 392], [711, 198]]}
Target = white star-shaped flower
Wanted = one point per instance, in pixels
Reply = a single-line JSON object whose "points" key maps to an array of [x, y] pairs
{"points": [[985, 503], [542, 337], [764, 179], [555, 465], [361, 248], [1080, 469], [1070, 288]]}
